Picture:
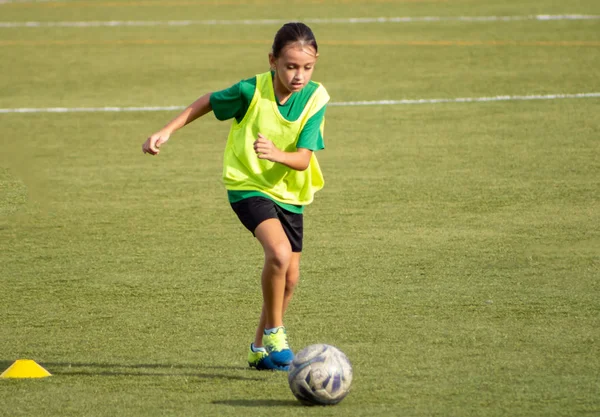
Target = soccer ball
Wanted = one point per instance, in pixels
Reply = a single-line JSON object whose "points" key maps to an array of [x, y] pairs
{"points": [[320, 375]]}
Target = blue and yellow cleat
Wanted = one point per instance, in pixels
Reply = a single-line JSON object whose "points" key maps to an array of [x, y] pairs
{"points": [[278, 348], [259, 358]]}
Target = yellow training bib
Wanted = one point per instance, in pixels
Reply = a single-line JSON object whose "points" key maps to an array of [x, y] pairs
{"points": [[244, 171]]}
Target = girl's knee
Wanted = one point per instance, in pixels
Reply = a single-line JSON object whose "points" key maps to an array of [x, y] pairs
{"points": [[280, 255], [291, 279]]}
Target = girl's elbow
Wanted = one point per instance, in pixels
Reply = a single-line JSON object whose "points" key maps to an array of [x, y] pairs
{"points": [[304, 166], [304, 162]]}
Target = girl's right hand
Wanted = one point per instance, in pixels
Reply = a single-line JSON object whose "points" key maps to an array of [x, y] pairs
{"points": [[154, 142]]}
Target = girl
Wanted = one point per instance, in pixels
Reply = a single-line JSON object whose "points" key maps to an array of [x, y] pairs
{"points": [[270, 170]]}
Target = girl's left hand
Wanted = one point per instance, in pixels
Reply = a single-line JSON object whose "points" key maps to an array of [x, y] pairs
{"points": [[265, 149]]}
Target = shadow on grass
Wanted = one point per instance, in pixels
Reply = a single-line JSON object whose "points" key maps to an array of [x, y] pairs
{"points": [[153, 370], [141, 365], [4, 365], [259, 403]]}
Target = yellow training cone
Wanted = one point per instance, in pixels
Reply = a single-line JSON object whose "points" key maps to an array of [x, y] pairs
{"points": [[25, 368]]}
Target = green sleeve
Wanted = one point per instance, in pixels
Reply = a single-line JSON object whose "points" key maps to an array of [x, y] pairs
{"points": [[233, 101], [311, 136]]}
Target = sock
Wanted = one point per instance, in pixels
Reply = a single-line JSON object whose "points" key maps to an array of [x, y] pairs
{"points": [[273, 330], [257, 349]]}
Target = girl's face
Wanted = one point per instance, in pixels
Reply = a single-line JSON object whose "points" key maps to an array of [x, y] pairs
{"points": [[293, 68]]}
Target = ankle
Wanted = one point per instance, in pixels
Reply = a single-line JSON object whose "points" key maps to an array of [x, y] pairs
{"points": [[273, 330], [256, 348]]}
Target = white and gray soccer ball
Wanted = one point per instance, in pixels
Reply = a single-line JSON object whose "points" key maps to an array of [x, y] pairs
{"points": [[320, 375]]}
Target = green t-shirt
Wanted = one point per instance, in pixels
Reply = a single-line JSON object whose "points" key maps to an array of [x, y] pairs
{"points": [[234, 102]]}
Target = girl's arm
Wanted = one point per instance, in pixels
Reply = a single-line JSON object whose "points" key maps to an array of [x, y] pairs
{"points": [[195, 110], [298, 160]]}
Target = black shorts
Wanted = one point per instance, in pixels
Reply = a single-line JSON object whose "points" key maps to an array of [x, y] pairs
{"points": [[252, 211]]}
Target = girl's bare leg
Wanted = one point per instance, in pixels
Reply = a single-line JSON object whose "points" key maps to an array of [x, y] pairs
{"points": [[291, 281], [278, 256]]}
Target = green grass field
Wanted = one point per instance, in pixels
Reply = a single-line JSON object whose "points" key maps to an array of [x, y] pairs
{"points": [[453, 255]]}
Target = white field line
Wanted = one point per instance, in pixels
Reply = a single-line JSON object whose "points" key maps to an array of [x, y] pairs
{"points": [[25, 1], [352, 20], [466, 99], [336, 104]]}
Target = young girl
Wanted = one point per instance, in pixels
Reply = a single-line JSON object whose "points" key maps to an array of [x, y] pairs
{"points": [[269, 170]]}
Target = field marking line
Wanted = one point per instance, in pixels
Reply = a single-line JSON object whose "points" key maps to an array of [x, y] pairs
{"points": [[25, 1], [171, 3], [459, 43], [374, 42], [335, 104], [350, 20], [466, 99]]}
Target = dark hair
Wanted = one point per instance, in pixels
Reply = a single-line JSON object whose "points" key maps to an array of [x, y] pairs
{"points": [[293, 32]]}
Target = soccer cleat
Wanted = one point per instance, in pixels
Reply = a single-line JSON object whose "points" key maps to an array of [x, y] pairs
{"points": [[260, 360], [278, 348]]}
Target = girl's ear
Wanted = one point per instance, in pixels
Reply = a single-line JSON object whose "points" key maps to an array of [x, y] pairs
{"points": [[272, 63]]}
